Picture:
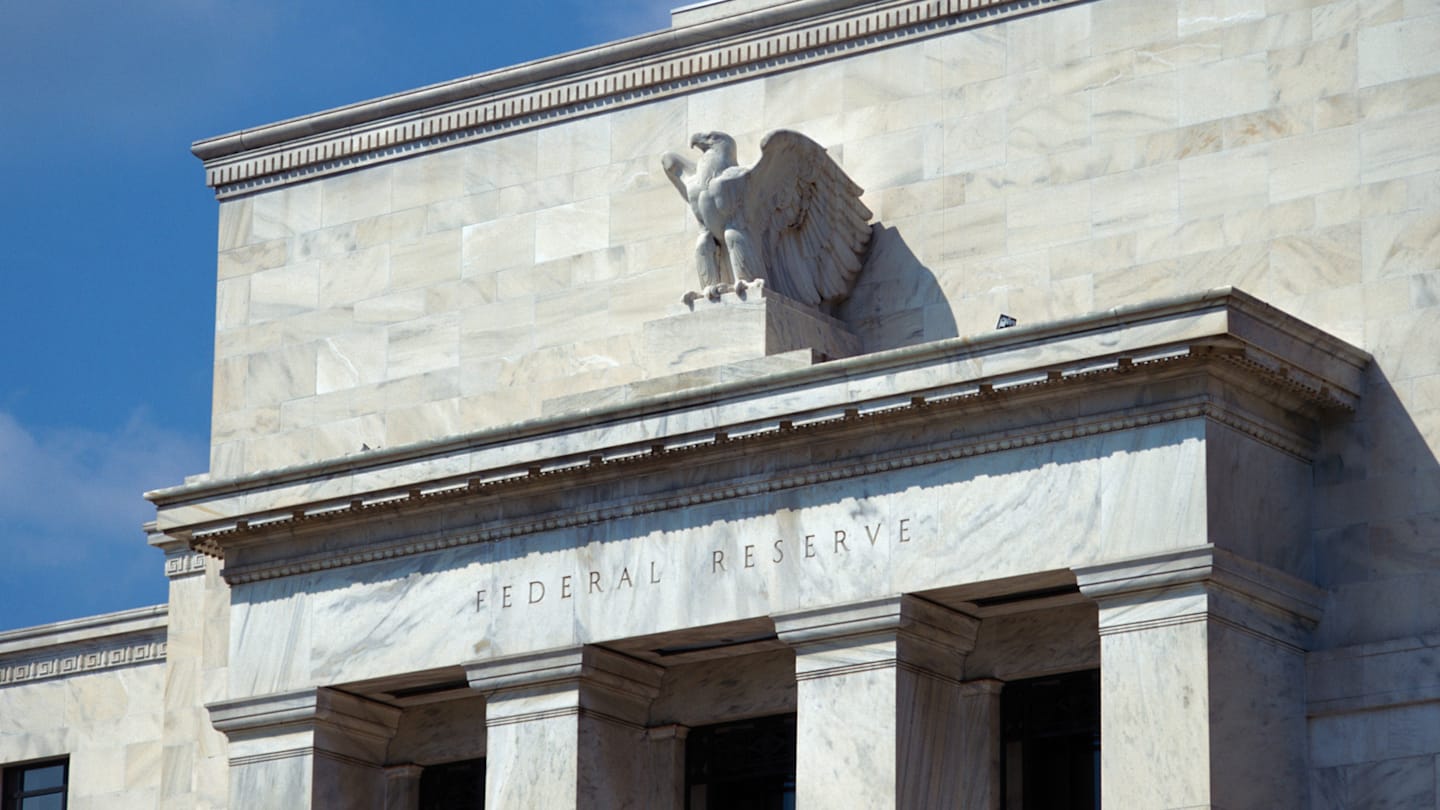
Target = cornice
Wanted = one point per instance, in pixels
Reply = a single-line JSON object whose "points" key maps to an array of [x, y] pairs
{"points": [[620, 74], [1226, 335], [1332, 385], [213, 542]]}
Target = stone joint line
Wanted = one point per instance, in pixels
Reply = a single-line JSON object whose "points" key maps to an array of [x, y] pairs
{"points": [[569, 711], [875, 666]]}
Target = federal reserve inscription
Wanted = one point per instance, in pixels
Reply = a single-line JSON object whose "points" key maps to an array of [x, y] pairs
{"points": [[732, 558]]}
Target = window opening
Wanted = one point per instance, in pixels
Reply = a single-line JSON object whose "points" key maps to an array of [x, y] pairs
{"points": [[37, 785], [452, 785], [742, 765], [1050, 757]]}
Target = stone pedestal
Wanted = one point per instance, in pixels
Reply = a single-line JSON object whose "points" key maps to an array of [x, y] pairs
{"points": [[741, 327], [1202, 700], [566, 729], [883, 716], [313, 748], [710, 342]]}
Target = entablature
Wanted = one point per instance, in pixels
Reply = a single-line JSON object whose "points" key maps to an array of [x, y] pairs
{"points": [[953, 399]]}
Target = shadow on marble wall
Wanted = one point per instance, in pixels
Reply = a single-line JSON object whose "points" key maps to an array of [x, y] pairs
{"points": [[897, 301], [1377, 520]]}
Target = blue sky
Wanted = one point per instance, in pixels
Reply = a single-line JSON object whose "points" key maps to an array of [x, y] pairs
{"points": [[107, 269]]}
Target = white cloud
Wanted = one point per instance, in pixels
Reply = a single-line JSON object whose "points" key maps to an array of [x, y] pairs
{"points": [[70, 516]]}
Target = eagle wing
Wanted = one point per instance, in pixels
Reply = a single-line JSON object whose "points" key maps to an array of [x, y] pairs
{"points": [[812, 227]]}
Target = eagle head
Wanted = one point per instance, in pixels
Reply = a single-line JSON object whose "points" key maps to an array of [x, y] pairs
{"points": [[705, 141]]}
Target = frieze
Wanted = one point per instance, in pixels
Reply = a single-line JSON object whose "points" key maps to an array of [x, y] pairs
{"points": [[794, 549], [74, 662], [184, 564]]}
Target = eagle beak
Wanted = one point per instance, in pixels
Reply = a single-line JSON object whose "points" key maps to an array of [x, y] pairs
{"points": [[697, 141]]}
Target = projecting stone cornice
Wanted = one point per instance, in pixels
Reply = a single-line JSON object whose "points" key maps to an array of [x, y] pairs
{"points": [[609, 76], [1223, 334]]}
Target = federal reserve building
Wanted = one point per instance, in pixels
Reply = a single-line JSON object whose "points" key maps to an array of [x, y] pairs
{"points": [[995, 404]]}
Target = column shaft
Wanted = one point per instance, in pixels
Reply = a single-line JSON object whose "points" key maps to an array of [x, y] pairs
{"points": [[566, 729], [882, 710], [1202, 698]]}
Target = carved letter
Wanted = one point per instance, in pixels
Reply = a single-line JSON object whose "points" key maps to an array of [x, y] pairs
{"points": [[875, 535], [904, 530], [654, 578], [565, 587], [479, 598], [809, 545], [840, 541], [533, 597], [749, 556], [625, 577], [717, 561], [779, 552], [505, 596], [595, 582]]}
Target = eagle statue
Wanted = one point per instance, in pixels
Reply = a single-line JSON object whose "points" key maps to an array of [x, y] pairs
{"points": [[793, 222]]}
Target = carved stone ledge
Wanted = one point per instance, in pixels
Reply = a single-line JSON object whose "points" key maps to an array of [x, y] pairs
{"points": [[1290, 373]]}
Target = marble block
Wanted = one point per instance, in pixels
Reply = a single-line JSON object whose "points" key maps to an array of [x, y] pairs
{"points": [[739, 327]]}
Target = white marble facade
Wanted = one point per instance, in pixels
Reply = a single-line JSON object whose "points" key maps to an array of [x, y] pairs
{"points": [[481, 486]]}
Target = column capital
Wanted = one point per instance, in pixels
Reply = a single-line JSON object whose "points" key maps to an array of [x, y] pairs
{"points": [[328, 720], [600, 680], [899, 629], [564, 666], [1203, 583]]}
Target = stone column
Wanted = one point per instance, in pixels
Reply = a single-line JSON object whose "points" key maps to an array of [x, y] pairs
{"points": [[193, 766], [402, 787], [883, 715], [566, 729], [667, 758], [980, 744], [311, 748], [1202, 681]]}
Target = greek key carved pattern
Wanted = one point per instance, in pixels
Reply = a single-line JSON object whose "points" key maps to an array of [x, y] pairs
{"points": [[73, 662]]}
